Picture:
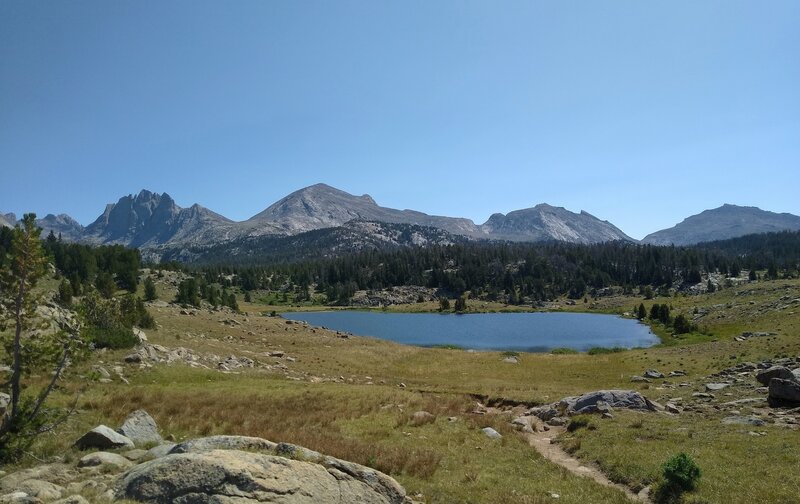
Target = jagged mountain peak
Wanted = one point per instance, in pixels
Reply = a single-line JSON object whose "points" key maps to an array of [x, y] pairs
{"points": [[149, 218]]}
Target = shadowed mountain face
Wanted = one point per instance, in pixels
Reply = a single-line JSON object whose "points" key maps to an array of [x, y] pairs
{"points": [[8, 220], [61, 225], [149, 219], [727, 221]]}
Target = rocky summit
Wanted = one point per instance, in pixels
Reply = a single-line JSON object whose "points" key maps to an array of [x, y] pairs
{"points": [[727, 221]]}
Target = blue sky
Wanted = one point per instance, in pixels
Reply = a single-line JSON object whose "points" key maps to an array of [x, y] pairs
{"points": [[641, 113]]}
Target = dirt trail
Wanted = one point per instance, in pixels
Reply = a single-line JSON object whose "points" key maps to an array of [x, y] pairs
{"points": [[553, 452]]}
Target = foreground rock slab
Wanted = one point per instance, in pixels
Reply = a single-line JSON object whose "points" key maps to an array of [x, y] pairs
{"points": [[222, 476]]}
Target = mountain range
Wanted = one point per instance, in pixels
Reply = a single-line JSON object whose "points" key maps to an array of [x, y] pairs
{"points": [[154, 222]]}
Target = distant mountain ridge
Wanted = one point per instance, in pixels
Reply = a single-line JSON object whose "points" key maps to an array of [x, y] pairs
{"points": [[544, 222], [727, 221], [153, 221], [150, 219], [322, 206]]}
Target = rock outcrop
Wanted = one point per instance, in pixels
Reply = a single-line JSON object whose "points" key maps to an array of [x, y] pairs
{"points": [[245, 477], [599, 402]]}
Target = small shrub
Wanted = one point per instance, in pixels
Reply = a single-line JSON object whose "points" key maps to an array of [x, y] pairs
{"points": [[114, 338], [577, 423], [604, 350], [681, 471], [680, 474], [563, 351]]}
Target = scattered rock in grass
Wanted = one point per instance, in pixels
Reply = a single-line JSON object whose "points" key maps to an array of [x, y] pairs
{"points": [[18, 498], [135, 455], [744, 420], [72, 499], [422, 418], [40, 489], [713, 387], [140, 335], [781, 372], [104, 459], [653, 374], [640, 379], [160, 450], [491, 433], [544, 413], [601, 400], [133, 358], [511, 360], [783, 392], [103, 438], [140, 428]]}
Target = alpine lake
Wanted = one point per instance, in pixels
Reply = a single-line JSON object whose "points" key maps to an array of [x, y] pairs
{"points": [[522, 332]]}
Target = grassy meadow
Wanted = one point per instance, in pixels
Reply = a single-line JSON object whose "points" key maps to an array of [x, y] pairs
{"points": [[353, 398]]}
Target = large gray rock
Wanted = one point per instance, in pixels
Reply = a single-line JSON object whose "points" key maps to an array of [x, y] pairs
{"points": [[72, 499], [781, 372], [104, 438], [228, 476], [140, 428], [598, 401], [57, 473], [104, 459], [224, 443], [784, 391], [18, 498], [160, 450], [40, 489]]}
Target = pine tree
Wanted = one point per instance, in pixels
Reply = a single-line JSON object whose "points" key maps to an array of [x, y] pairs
{"points": [[641, 312], [65, 293], [150, 290], [231, 302], [26, 415]]}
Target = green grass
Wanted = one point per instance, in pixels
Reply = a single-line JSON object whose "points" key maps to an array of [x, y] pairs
{"points": [[454, 462], [445, 461], [737, 468]]}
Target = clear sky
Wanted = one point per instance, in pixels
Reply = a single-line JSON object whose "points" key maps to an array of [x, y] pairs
{"points": [[641, 113]]}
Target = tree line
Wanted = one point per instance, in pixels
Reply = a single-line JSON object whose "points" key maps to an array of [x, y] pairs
{"points": [[522, 272]]}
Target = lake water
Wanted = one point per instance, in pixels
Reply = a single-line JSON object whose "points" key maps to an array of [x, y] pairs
{"points": [[525, 332]]}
